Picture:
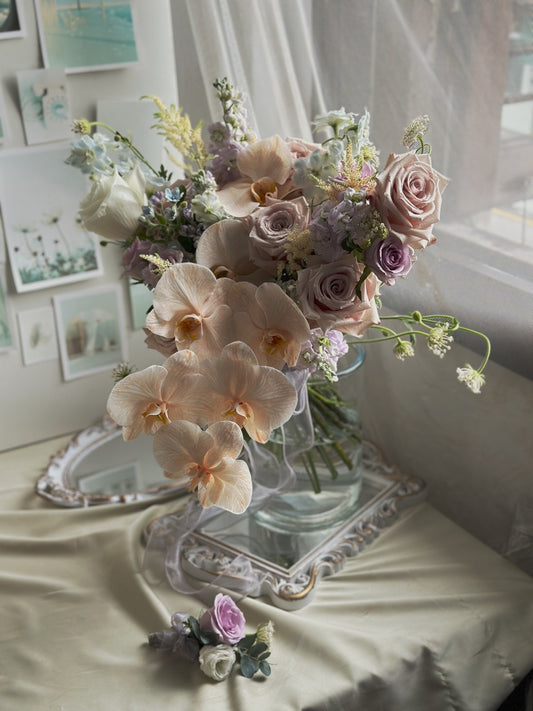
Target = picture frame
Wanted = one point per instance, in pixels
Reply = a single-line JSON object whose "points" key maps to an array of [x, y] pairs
{"points": [[46, 242], [141, 299], [91, 331], [6, 335], [89, 35], [44, 103], [37, 332], [12, 20]]}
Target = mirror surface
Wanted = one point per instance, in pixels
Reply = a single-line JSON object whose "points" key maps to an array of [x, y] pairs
{"points": [[99, 467]]}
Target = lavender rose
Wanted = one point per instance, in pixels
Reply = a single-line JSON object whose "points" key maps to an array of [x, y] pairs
{"points": [[389, 258], [224, 619], [408, 196], [270, 226], [327, 296]]}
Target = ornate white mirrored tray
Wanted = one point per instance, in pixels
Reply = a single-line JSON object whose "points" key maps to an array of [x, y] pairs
{"points": [[286, 568], [98, 467]]}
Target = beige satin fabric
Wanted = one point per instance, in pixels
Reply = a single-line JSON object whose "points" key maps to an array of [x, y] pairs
{"points": [[426, 618]]}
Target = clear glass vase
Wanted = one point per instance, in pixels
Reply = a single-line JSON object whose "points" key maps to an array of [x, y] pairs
{"points": [[327, 470]]}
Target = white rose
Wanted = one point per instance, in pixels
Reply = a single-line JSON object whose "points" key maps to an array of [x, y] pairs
{"points": [[217, 661], [114, 205]]}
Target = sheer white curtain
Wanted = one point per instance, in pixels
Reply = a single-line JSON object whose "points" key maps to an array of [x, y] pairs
{"points": [[466, 63], [265, 48]]}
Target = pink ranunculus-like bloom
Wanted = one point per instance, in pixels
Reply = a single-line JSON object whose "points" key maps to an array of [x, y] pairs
{"points": [[206, 460], [269, 227], [186, 306], [144, 401], [328, 298], [236, 388], [389, 258], [266, 167], [408, 196], [224, 619]]}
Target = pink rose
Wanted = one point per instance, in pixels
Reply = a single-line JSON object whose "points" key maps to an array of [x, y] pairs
{"points": [[408, 196], [224, 619], [327, 296], [270, 226]]}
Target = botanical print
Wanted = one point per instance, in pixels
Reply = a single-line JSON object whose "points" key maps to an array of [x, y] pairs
{"points": [[90, 325], [86, 34], [44, 104], [11, 21], [6, 340], [37, 335], [47, 244]]}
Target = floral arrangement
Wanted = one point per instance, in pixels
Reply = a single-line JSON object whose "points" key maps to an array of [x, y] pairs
{"points": [[266, 260], [217, 640]]}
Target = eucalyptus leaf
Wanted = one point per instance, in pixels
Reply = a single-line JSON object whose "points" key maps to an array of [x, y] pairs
{"points": [[265, 667], [249, 666], [258, 649]]}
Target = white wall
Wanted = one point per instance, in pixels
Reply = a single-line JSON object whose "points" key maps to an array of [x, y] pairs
{"points": [[35, 402]]}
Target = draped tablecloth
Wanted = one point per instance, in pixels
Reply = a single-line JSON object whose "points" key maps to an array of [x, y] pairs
{"points": [[426, 618]]}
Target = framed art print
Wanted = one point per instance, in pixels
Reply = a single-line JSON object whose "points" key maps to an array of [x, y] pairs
{"points": [[6, 338], [91, 333], [11, 19], [46, 242], [87, 35], [37, 335], [44, 104]]}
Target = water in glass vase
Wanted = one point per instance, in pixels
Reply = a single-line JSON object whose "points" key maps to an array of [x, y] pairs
{"points": [[327, 468]]}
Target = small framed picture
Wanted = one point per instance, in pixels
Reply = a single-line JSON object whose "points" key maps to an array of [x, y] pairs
{"points": [[44, 104], [11, 19], [86, 35], [90, 328], [6, 338], [37, 335], [46, 242]]}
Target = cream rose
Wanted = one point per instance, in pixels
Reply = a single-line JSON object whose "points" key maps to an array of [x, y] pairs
{"points": [[114, 205], [217, 661], [327, 296], [408, 197]]}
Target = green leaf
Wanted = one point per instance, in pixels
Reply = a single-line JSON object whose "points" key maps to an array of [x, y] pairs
{"points": [[249, 666], [265, 668], [258, 649], [265, 655], [194, 627], [246, 642]]}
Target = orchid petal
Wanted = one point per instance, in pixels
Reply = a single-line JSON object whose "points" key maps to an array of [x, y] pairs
{"points": [[132, 396], [184, 288], [180, 446], [229, 487], [236, 198], [269, 158], [224, 248]]}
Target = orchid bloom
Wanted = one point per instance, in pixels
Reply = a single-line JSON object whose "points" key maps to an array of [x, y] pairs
{"points": [[207, 459], [145, 401], [185, 307], [225, 249], [266, 167], [235, 387]]}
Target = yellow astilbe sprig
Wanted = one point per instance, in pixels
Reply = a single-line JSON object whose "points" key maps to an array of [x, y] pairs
{"points": [[177, 129], [349, 176]]}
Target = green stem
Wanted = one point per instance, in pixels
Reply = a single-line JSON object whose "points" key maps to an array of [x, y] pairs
{"points": [[136, 152]]}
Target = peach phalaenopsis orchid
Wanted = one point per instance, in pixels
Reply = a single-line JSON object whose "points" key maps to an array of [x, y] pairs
{"points": [[266, 168], [186, 307], [207, 461], [145, 401], [235, 387]]}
